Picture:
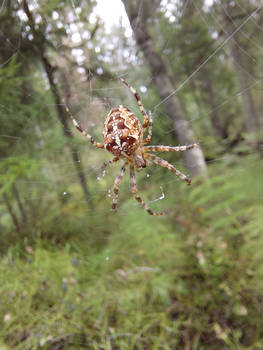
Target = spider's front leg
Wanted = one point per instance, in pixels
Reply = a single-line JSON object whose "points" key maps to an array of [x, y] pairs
{"points": [[84, 132], [138, 198]]}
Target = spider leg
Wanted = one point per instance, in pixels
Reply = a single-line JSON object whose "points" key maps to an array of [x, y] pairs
{"points": [[138, 99], [116, 186], [150, 130], [165, 164], [138, 198], [170, 148], [113, 160], [79, 128]]}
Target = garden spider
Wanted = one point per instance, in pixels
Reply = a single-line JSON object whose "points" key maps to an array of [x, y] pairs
{"points": [[123, 137]]}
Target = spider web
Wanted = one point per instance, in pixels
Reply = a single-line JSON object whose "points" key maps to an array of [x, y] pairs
{"points": [[113, 96], [113, 93]]}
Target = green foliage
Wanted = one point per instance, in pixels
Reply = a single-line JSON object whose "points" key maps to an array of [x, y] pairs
{"points": [[192, 280], [13, 168], [9, 81], [10, 92]]}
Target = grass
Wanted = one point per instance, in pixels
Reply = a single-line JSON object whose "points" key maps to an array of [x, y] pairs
{"points": [[190, 281]]}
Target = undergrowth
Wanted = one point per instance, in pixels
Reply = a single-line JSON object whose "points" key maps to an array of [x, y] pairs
{"points": [[190, 281]]}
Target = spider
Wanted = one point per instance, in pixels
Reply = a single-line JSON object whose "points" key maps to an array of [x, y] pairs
{"points": [[123, 137]]}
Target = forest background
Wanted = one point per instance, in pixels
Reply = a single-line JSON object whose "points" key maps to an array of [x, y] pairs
{"points": [[75, 275]]}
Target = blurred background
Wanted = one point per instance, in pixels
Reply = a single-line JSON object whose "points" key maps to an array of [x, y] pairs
{"points": [[73, 274]]}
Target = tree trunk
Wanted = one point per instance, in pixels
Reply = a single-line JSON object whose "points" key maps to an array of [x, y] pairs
{"points": [[40, 50], [194, 158], [249, 109], [61, 115]]}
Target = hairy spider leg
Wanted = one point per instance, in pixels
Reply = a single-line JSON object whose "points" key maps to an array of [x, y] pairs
{"points": [[116, 186], [84, 132], [170, 148], [165, 164], [108, 162], [138, 198], [150, 130], [138, 99]]}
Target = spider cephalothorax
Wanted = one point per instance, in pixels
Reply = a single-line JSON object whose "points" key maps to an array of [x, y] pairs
{"points": [[123, 137]]}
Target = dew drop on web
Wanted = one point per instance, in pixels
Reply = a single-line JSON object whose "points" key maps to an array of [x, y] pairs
{"points": [[162, 196]]}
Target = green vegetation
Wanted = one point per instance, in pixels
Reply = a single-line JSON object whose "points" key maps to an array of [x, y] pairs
{"points": [[192, 281], [73, 274]]}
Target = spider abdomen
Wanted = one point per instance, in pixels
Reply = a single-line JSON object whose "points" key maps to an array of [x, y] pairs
{"points": [[122, 132]]}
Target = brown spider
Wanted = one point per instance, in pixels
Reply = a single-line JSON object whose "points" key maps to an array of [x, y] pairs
{"points": [[123, 137]]}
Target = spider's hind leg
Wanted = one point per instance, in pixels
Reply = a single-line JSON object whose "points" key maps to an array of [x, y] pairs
{"points": [[165, 164], [138, 198], [139, 101], [150, 130], [116, 186]]}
